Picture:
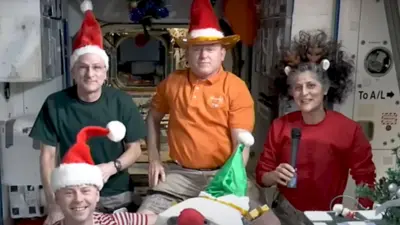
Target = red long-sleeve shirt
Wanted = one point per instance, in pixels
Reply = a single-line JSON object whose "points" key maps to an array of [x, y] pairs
{"points": [[327, 151], [122, 218]]}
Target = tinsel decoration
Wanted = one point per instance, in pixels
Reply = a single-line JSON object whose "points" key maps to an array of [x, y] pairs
{"points": [[386, 193]]}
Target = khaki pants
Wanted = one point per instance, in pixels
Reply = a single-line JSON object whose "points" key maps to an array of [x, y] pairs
{"points": [[180, 184], [111, 203]]}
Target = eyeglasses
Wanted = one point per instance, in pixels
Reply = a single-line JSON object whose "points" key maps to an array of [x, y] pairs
{"points": [[95, 68]]}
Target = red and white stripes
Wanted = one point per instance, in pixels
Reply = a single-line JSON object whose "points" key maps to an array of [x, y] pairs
{"points": [[122, 218]]}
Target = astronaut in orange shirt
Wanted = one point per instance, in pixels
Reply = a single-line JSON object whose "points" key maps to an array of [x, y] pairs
{"points": [[207, 107]]}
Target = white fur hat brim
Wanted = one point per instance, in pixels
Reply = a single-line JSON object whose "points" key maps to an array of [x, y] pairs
{"points": [[93, 49], [75, 174]]}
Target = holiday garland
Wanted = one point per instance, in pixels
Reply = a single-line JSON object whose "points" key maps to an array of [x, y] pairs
{"points": [[140, 10], [386, 193]]}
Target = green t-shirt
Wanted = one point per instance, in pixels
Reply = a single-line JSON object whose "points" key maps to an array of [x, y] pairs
{"points": [[63, 115]]}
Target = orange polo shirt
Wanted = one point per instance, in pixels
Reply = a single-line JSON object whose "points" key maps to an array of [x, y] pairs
{"points": [[202, 114]]}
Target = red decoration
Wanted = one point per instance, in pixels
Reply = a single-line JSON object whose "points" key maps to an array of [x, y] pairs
{"points": [[141, 40]]}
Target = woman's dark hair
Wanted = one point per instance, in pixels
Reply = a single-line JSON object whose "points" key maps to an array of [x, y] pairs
{"points": [[316, 53]]}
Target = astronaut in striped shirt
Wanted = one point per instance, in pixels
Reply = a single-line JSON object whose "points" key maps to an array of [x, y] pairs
{"points": [[77, 183], [79, 202]]}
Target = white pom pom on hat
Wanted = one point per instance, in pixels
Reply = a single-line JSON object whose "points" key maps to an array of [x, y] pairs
{"points": [[117, 131], [246, 138], [86, 5]]}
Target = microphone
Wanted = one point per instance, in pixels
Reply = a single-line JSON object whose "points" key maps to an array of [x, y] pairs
{"points": [[295, 139]]}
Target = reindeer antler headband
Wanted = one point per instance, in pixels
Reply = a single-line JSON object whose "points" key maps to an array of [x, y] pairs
{"points": [[317, 49], [324, 64]]}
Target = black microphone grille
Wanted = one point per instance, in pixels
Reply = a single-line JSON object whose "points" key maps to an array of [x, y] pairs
{"points": [[296, 133]]}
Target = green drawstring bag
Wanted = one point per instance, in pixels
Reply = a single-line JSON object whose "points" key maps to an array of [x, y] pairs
{"points": [[231, 178]]}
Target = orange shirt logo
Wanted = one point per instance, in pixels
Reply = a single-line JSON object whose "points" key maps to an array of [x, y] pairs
{"points": [[215, 102]]}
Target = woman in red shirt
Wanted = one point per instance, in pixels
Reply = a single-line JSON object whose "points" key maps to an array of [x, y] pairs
{"points": [[331, 144]]}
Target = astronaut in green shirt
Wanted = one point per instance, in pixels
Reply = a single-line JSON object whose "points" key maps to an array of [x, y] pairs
{"points": [[88, 103]]}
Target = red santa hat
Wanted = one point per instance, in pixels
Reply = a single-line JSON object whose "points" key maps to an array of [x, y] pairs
{"points": [[204, 27], [77, 166], [89, 38]]}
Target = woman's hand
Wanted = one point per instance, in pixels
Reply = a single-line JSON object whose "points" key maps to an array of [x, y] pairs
{"points": [[283, 174]]}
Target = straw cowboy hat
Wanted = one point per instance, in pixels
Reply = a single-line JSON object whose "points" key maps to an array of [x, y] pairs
{"points": [[204, 27]]}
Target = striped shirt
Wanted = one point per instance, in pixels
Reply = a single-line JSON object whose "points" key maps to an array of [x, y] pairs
{"points": [[122, 218]]}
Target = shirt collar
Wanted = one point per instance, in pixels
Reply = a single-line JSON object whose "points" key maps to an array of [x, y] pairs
{"points": [[211, 79]]}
